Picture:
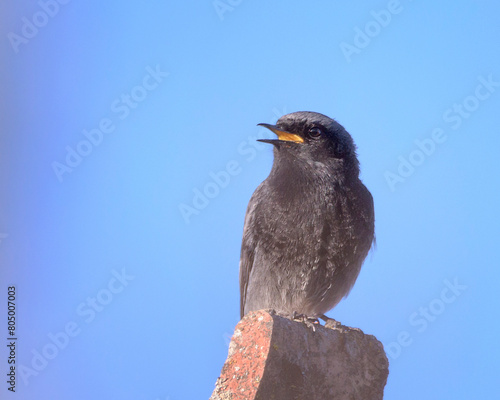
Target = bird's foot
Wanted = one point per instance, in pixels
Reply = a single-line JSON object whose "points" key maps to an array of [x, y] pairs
{"points": [[310, 322], [329, 322]]}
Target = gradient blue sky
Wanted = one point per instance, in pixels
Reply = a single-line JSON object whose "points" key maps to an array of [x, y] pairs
{"points": [[423, 74]]}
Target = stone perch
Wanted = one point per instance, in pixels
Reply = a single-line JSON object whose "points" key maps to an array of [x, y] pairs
{"points": [[274, 358]]}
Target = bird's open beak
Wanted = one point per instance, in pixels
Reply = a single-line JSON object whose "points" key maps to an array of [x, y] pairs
{"points": [[282, 135]]}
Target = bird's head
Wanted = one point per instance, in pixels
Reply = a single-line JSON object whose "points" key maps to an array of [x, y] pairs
{"points": [[313, 138]]}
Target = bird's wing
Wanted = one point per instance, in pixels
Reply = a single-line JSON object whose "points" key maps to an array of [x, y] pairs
{"points": [[369, 215], [248, 248]]}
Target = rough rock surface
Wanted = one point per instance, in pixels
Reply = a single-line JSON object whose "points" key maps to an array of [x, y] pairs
{"points": [[274, 358]]}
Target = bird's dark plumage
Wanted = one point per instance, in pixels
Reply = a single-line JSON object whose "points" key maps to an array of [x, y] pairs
{"points": [[310, 224]]}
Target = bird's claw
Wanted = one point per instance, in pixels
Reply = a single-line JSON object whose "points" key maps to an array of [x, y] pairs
{"points": [[310, 322], [330, 322]]}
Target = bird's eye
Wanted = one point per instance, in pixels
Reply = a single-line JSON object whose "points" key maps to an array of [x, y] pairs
{"points": [[314, 133]]}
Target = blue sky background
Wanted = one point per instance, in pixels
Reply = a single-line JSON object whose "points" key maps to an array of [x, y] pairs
{"points": [[163, 333]]}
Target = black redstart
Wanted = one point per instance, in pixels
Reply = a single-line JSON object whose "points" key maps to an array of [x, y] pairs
{"points": [[309, 225]]}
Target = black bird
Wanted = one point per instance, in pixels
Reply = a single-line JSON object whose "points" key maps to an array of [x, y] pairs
{"points": [[309, 225]]}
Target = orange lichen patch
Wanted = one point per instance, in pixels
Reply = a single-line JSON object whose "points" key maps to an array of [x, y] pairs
{"points": [[248, 353]]}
